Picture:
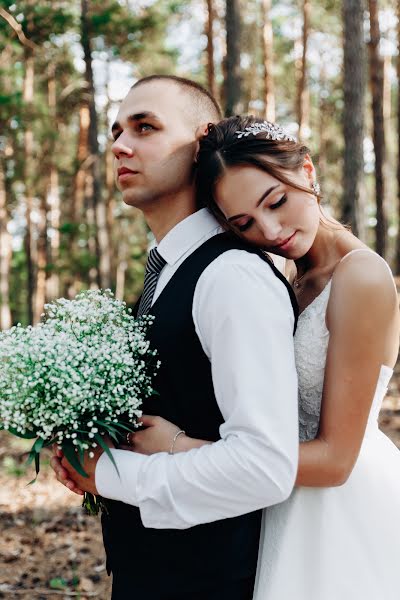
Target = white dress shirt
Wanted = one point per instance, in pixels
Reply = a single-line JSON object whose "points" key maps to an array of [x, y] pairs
{"points": [[244, 320]]}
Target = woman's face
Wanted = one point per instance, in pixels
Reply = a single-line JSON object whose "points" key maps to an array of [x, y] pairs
{"points": [[268, 213]]}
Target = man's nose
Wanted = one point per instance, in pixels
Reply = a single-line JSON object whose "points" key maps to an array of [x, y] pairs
{"points": [[122, 146]]}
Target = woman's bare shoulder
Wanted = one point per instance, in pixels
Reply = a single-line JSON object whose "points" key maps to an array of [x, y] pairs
{"points": [[362, 283]]}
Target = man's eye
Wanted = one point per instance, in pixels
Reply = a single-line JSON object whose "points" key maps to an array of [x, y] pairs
{"points": [[145, 127], [115, 135], [279, 203]]}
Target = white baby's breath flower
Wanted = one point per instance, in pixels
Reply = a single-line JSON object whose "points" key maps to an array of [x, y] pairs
{"points": [[86, 363]]}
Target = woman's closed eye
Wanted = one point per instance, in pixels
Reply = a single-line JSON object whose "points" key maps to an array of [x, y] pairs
{"points": [[245, 223], [279, 203]]}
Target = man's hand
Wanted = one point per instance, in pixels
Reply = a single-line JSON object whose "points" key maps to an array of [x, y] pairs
{"points": [[67, 475]]}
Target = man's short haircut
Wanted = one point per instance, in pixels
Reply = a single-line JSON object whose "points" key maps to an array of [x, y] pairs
{"points": [[203, 106]]}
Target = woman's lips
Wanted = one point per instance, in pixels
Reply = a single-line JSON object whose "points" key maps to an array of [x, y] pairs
{"points": [[286, 243]]}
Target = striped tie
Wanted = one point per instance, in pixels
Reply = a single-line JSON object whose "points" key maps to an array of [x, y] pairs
{"points": [[155, 263]]}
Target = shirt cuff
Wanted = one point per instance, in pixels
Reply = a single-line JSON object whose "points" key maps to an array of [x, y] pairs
{"points": [[122, 484]]}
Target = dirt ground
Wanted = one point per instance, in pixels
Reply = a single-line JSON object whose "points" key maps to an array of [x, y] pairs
{"points": [[49, 550]]}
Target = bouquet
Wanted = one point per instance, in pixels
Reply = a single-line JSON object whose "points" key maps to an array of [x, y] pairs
{"points": [[80, 374]]}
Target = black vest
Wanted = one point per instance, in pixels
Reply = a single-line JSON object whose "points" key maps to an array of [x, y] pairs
{"points": [[208, 554]]}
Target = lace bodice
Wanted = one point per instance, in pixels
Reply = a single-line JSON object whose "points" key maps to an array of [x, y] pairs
{"points": [[311, 346]]}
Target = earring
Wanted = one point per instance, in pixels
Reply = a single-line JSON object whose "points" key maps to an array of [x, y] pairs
{"points": [[316, 188]]}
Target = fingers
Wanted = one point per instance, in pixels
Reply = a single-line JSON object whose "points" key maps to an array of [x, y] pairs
{"points": [[125, 447], [57, 451], [62, 475], [148, 420]]}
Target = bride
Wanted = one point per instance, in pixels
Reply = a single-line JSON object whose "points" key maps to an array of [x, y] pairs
{"points": [[338, 535]]}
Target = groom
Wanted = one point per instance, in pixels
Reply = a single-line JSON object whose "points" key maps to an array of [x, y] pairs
{"points": [[186, 526]]}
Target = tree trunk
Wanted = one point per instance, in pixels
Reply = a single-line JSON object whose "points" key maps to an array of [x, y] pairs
{"points": [[76, 210], [5, 256], [40, 296], [398, 143], [302, 90], [269, 91], [53, 199], [29, 175], [99, 208], [232, 60], [212, 88], [122, 266], [376, 80], [353, 113], [110, 203]]}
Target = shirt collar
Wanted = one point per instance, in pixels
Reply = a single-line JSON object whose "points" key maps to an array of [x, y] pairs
{"points": [[186, 234]]}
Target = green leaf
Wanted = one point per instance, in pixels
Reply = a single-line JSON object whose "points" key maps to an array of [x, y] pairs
{"points": [[106, 449], [131, 429], [28, 435], [57, 583], [72, 457]]}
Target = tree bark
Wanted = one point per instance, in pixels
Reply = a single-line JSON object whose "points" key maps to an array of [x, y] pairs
{"points": [[353, 112], [5, 256], [210, 49], [269, 91], [376, 81], [398, 143], [53, 199], [28, 176], [232, 60], [302, 90], [40, 296], [99, 208]]}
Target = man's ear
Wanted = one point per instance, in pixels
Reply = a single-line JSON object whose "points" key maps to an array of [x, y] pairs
{"points": [[201, 131]]}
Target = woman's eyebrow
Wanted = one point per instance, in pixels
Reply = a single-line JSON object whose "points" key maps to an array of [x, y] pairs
{"points": [[265, 194]]}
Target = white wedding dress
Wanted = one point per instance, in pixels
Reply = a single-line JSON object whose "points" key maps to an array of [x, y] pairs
{"points": [[338, 543]]}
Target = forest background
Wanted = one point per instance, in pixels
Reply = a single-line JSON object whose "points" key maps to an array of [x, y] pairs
{"points": [[328, 71]]}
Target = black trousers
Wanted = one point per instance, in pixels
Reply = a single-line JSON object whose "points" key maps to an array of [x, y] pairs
{"points": [[132, 588]]}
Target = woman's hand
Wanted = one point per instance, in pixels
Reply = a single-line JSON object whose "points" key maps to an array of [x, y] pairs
{"points": [[159, 436]]}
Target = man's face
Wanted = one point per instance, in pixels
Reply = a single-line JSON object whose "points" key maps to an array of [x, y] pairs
{"points": [[154, 145]]}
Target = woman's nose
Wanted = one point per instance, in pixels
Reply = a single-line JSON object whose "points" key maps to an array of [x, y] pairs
{"points": [[270, 228]]}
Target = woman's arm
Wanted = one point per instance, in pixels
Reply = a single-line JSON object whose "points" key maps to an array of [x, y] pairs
{"points": [[158, 436], [363, 321]]}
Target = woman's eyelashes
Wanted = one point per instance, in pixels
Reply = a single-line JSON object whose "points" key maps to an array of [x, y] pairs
{"points": [[279, 203], [244, 226]]}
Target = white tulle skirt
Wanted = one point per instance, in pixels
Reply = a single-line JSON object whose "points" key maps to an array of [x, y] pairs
{"points": [[339, 543]]}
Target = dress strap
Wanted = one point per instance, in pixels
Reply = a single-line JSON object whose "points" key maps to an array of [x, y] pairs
{"points": [[367, 250], [357, 250]]}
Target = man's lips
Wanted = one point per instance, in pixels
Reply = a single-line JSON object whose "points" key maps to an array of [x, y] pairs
{"points": [[125, 172]]}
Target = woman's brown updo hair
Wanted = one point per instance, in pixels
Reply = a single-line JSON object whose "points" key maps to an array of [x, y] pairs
{"points": [[221, 148]]}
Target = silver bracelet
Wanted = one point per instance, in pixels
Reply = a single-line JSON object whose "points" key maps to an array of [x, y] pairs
{"points": [[178, 433]]}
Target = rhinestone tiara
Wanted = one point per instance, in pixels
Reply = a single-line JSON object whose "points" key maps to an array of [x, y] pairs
{"points": [[273, 132]]}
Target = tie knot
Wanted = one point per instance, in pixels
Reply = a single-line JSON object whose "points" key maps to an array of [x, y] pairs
{"points": [[155, 262]]}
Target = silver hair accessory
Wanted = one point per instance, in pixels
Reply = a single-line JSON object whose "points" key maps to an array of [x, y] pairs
{"points": [[273, 132], [316, 188]]}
